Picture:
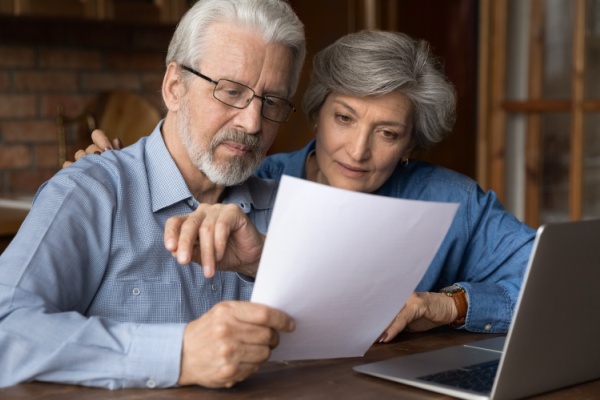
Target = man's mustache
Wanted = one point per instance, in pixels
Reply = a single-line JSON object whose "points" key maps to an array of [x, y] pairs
{"points": [[234, 135]]}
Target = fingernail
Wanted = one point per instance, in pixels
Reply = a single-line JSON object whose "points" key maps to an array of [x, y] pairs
{"points": [[119, 143], [182, 257], [170, 244], [108, 148], [382, 337]]}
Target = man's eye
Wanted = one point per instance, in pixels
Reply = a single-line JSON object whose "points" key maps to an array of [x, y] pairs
{"points": [[233, 93], [270, 102]]}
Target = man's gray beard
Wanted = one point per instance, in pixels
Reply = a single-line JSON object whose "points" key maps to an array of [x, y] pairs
{"points": [[237, 169]]}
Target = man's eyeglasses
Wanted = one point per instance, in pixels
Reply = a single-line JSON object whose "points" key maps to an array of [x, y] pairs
{"points": [[236, 95]]}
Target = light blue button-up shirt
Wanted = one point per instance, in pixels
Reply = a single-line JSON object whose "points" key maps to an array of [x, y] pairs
{"points": [[88, 293], [485, 251]]}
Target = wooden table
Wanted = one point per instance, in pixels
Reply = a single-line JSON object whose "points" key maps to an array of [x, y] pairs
{"points": [[321, 379]]}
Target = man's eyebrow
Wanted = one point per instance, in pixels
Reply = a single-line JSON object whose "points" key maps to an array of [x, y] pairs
{"points": [[277, 93]]}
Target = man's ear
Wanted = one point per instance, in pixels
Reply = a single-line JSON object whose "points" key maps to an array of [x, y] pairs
{"points": [[172, 88]]}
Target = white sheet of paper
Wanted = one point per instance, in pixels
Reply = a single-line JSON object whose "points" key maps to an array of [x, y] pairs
{"points": [[343, 264]]}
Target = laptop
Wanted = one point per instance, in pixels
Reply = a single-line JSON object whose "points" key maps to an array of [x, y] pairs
{"points": [[553, 339]]}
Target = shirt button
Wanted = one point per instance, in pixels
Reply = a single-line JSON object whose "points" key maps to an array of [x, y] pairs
{"points": [[136, 291], [150, 383], [488, 327], [191, 202], [214, 287]]}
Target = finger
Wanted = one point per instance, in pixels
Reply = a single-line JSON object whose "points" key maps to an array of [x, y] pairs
{"points": [[259, 335], [93, 149], [101, 140], [195, 253], [208, 271], [242, 372], [407, 314], [67, 163], [398, 325], [214, 234], [234, 374], [227, 328], [224, 225], [189, 235], [207, 250], [253, 353], [79, 154], [171, 235], [227, 375], [259, 314], [117, 144]]}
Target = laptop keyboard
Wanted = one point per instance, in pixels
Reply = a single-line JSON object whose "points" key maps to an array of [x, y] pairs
{"points": [[478, 378]]}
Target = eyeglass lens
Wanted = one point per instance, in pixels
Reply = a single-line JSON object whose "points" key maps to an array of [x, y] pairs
{"points": [[239, 96]]}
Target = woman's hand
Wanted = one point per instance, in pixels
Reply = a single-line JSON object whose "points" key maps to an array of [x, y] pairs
{"points": [[422, 311], [101, 143]]}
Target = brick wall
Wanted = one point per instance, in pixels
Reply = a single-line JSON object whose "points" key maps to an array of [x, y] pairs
{"points": [[47, 63]]}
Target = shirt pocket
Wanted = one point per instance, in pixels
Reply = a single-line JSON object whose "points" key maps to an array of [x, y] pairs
{"points": [[139, 300]]}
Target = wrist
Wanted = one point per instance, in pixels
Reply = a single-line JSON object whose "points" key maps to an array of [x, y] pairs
{"points": [[251, 269], [459, 296]]}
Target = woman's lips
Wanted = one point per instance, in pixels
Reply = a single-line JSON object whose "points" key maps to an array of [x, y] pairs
{"points": [[351, 171]]}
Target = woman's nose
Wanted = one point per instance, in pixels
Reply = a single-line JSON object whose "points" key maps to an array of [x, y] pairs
{"points": [[359, 147]]}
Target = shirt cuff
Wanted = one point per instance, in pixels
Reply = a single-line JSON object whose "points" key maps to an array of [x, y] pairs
{"points": [[490, 308], [156, 355]]}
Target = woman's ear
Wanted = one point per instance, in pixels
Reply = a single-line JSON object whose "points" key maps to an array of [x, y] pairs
{"points": [[314, 119], [172, 87]]}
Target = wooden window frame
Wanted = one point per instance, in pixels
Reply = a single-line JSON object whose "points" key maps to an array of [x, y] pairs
{"points": [[491, 127]]}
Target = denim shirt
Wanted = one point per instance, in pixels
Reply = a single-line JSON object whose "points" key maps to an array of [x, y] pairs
{"points": [[485, 251], [88, 293]]}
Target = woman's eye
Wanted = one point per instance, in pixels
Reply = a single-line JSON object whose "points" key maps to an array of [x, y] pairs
{"points": [[390, 135], [342, 118]]}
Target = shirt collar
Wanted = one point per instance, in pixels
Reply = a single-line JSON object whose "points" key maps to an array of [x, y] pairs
{"points": [[168, 187], [255, 193], [166, 183]]}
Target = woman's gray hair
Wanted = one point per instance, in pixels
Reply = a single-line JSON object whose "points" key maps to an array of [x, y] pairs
{"points": [[273, 19], [373, 63]]}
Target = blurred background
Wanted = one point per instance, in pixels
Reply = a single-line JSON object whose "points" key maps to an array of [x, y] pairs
{"points": [[525, 72]]}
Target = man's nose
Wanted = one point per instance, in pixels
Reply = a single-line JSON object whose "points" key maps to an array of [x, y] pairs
{"points": [[250, 118]]}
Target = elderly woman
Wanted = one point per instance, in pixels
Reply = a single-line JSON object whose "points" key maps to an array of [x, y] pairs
{"points": [[373, 99]]}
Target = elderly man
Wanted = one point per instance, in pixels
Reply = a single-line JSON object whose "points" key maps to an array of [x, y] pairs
{"points": [[88, 293]]}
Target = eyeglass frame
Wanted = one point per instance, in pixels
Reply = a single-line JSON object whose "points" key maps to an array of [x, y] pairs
{"points": [[263, 98]]}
